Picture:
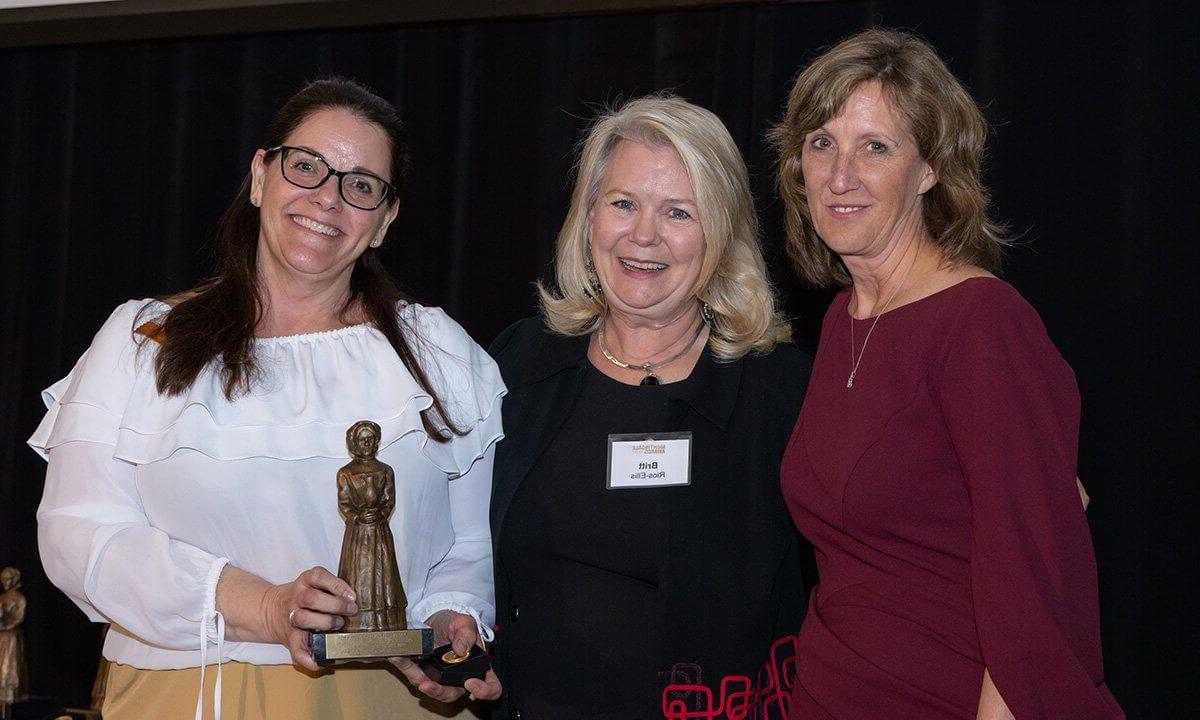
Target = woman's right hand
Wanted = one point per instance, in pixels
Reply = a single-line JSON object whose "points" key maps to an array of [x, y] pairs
{"points": [[316, 600], [256, 611]]}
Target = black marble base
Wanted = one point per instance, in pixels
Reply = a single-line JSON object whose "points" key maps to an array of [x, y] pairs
{"points": [[449, 672]]}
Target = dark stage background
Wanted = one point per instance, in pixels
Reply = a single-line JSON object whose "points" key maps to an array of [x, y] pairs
{"points": [[116, 159]]}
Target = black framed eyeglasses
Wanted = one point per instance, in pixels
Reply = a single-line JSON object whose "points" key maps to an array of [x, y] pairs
{"points": [[306, 169]]}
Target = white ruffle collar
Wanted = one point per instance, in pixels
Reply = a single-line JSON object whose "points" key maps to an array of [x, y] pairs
{"points": [[311, 389]]}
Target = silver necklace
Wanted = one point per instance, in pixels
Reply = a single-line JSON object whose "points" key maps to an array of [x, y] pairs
{"points": [[855, 362], [648, 368]]}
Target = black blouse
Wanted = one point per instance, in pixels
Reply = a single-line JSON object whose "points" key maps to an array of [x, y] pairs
{"points": [[650, 602], [589, 553]]}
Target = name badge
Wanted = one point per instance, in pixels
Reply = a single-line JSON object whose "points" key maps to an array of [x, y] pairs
{"points": [[648, 461]]}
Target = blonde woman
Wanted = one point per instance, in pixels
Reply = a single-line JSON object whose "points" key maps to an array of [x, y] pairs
{"points": [[645, 563]]}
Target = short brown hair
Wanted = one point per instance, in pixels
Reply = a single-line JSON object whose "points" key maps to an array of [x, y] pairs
{"points": [[950, 133]]}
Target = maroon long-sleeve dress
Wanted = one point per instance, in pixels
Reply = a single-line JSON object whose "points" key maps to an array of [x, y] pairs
{"points": [[939, 492]]}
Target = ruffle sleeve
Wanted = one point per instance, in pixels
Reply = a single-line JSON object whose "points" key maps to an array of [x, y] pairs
{"points": [[89, 402], [468, 382]]}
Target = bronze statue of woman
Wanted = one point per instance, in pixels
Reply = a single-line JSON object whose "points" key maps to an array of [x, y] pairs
{"points": [[13, 680], [366, 499]]}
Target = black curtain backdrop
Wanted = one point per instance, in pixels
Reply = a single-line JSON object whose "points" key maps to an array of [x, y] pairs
{"points": [[115, 161]]}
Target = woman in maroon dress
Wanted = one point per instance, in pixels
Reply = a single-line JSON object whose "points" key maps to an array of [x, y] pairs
{"points": [[933, 464]]}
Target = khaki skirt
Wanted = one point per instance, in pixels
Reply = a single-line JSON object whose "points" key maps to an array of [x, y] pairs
{"points": [[268, 692]]}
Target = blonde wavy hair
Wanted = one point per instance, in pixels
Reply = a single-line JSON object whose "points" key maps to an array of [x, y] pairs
{"points": [[950, 133], [733, 276]]}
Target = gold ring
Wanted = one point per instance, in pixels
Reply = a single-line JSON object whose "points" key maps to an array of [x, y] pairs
{"points": [[291, 619]]}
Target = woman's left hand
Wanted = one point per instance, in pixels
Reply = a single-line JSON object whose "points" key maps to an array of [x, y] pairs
{"points": [[1083, 496], [459, 631]]}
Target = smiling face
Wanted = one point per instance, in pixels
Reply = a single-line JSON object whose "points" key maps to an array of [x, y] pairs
{"points": [[313, 235], [646, 240], [865, 177]]}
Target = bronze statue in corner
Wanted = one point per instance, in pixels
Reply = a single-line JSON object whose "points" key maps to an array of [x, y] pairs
{"points": [[14, 680]]}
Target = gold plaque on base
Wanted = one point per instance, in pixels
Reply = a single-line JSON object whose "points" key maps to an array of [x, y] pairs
{"points": [[334, 647], [366, 491]]}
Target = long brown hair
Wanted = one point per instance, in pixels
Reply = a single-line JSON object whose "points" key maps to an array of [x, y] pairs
{"points": [[216, 320]]}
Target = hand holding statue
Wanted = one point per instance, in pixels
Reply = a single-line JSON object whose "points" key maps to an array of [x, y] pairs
{"points": [[458, 631]]}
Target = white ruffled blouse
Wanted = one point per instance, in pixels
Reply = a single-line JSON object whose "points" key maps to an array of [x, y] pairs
{"points": [[147, 497]]}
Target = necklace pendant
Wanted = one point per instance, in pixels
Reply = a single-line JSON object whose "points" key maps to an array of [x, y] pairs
{"points": [[850, 381], [650, 379]]}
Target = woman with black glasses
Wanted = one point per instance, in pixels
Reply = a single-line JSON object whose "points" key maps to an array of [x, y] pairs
{"points": [[192, 488]]}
